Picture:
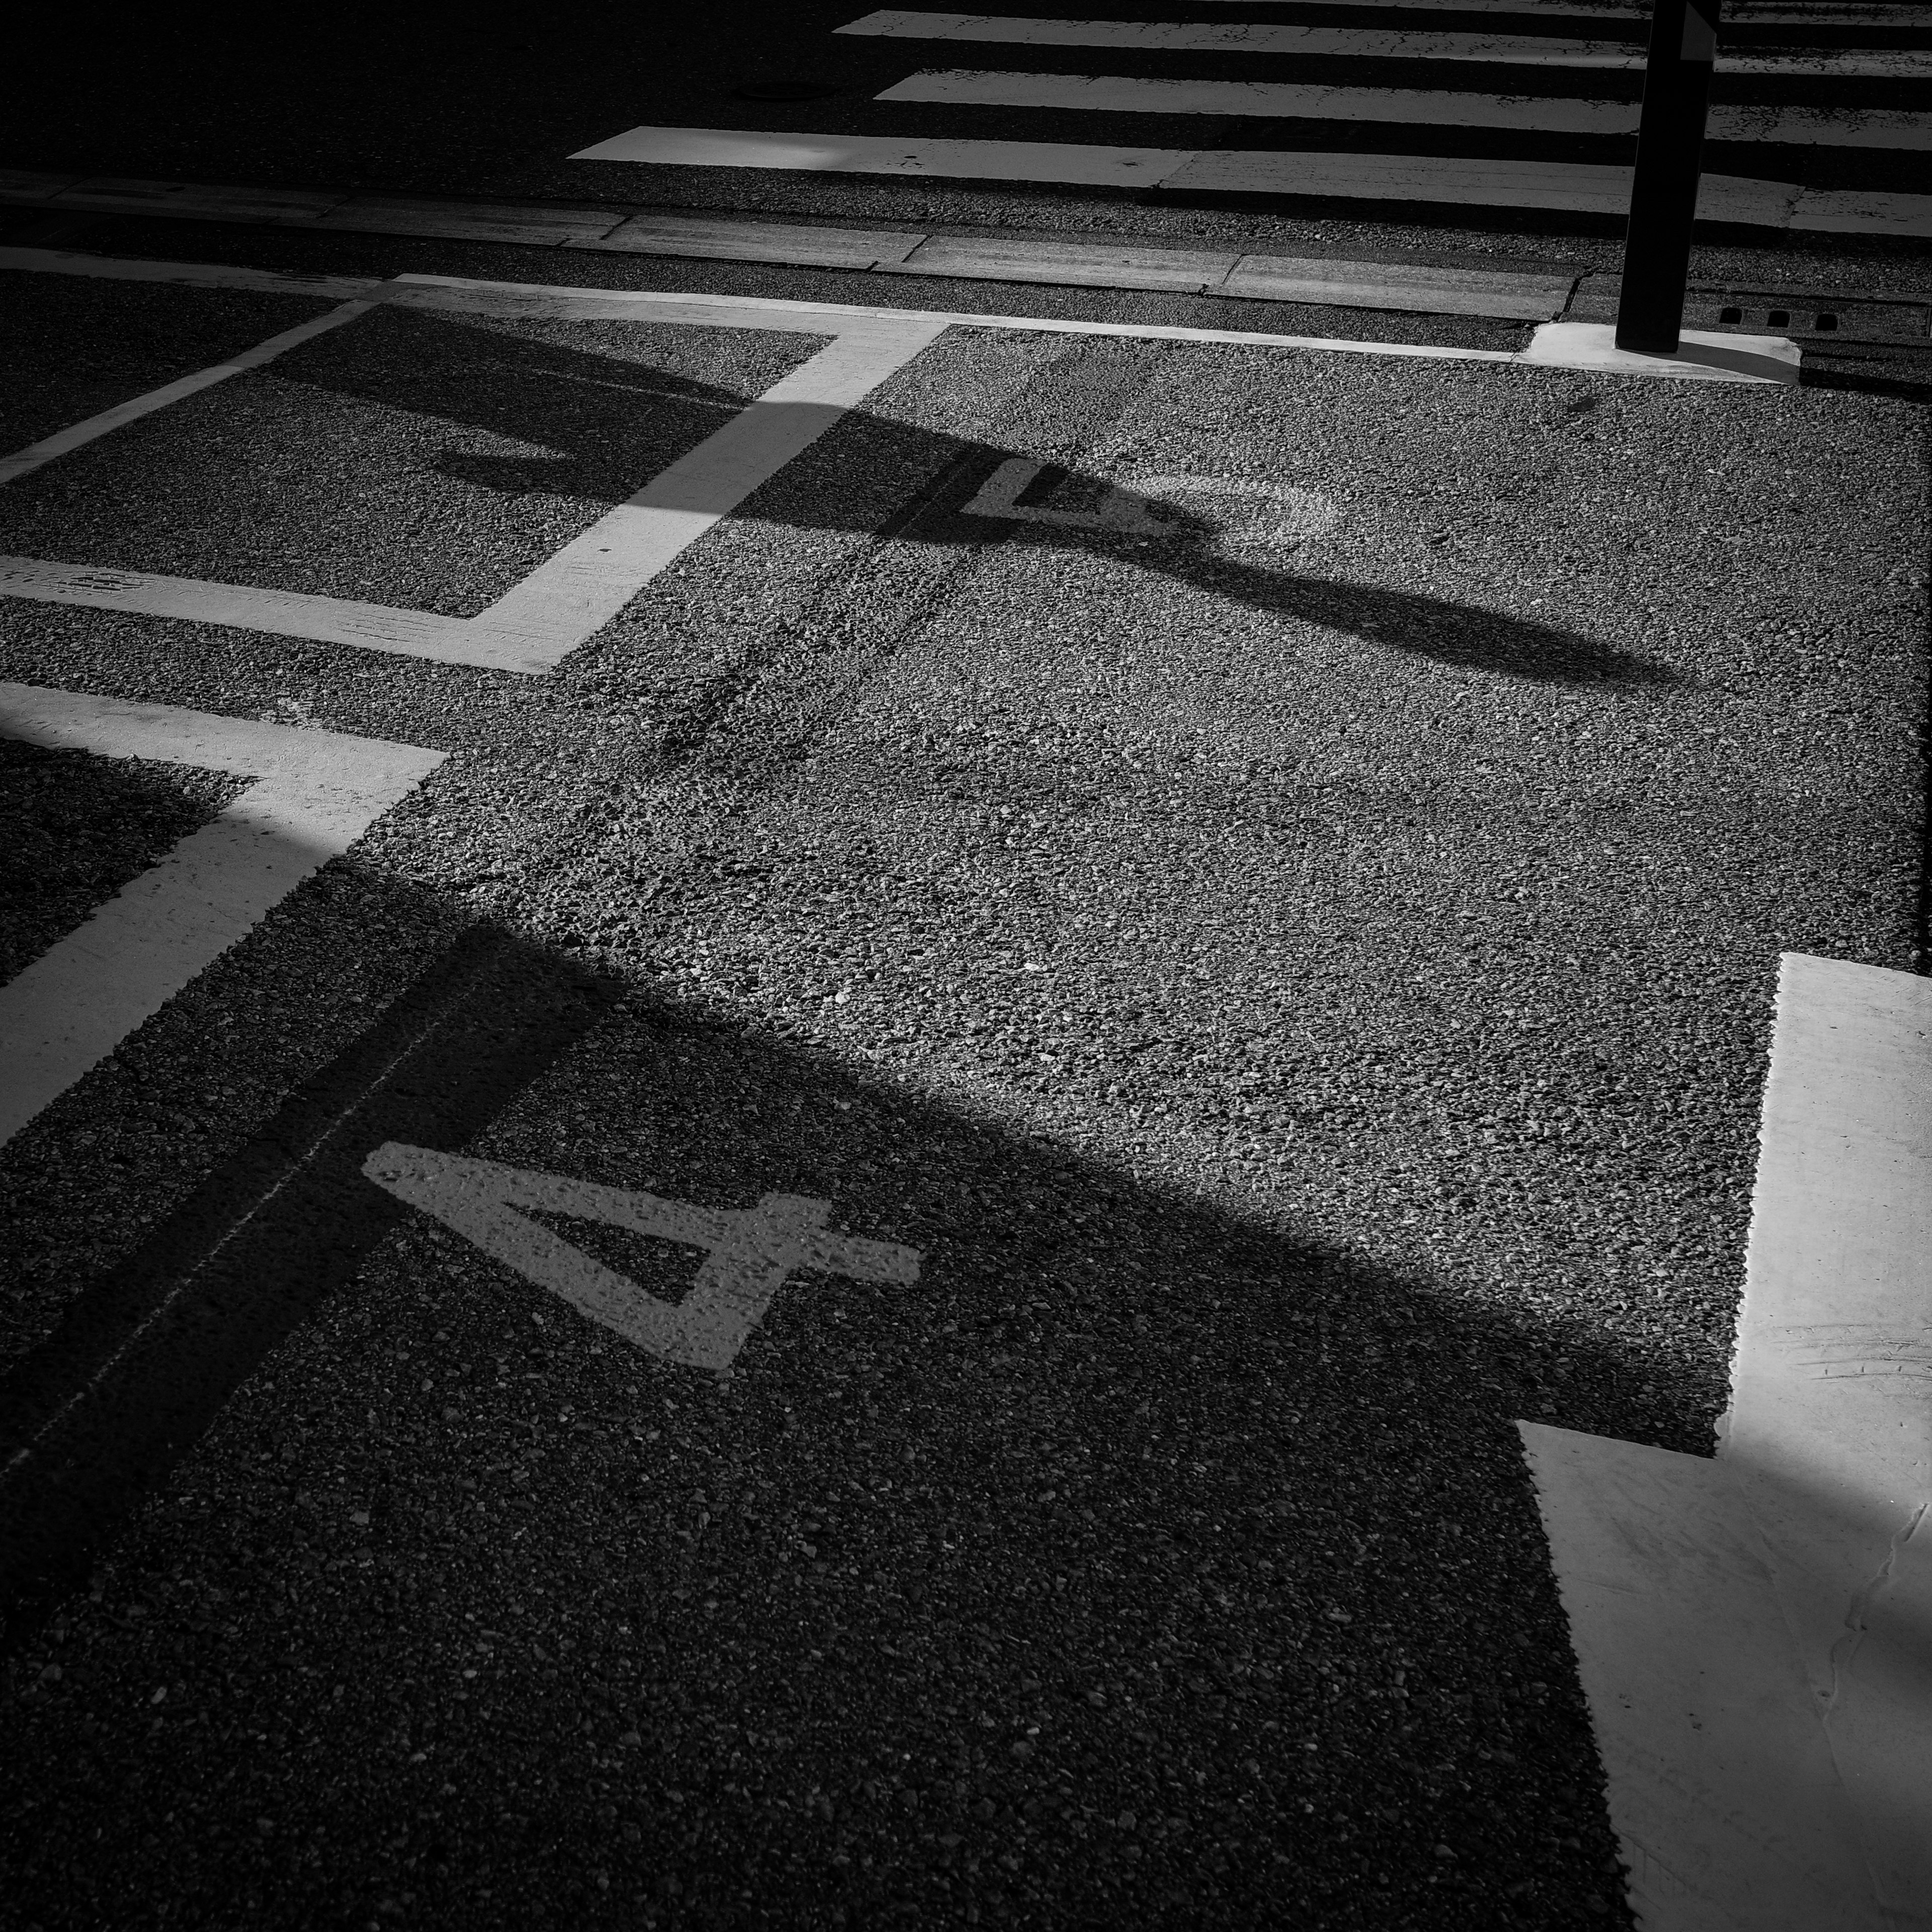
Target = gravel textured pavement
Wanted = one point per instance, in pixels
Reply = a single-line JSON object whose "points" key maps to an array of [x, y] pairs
{"points": [[1299, 974]]}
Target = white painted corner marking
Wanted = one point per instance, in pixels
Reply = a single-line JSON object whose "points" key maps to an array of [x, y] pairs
{"points": [[573, 594], [1750, 1631], [314, 794], [752, 1251]]}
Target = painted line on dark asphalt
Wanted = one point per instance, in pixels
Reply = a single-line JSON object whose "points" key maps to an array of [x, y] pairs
{"points": [[314, 794], [30, 458], [1369, 43], [1122, 94], [1578, 188], [567, 599], [1148, 505], [1805, 12], [750, 1252], [1751, 1631], [148, 1355]]}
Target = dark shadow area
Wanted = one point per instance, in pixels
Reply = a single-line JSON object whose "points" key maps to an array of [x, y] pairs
{"points": [[1133, 1508], [545, 393]]}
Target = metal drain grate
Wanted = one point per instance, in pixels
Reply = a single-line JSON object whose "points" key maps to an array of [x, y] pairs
{"points": [[1808, 312], [1753, 312]]}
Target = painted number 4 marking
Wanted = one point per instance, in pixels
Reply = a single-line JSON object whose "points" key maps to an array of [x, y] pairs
{"points": [[752, 1251]]}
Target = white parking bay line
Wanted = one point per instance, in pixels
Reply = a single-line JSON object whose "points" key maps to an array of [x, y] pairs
{"points": [[1751, 1632], [34, 454], [314, 794], [568, 598], [1367, 43], [580, 590], [1120, 94]]}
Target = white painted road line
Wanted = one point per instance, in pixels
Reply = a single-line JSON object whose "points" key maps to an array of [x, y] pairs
{"points": [[1119, 93], [1368, 44], [573, 595], [570, 597], [1579, 187], [1548, 347], [1751, 1632], [1207, 509], [752, 1251], [315, 793], [30, 458], [1803, 13], [282, 613], [882, 154]]}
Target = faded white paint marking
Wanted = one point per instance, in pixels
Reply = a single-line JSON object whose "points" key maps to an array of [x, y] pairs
{"points": [[315, 793], [1751, 1631], [1365, 43], [1000, 496], [571, 596], [751, 1253], [1240, 511], [1224, 511], [1405, 106], [73, 437]]}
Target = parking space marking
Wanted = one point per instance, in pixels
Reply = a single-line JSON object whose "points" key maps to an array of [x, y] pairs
{"points": [[1750, 1631], [752, 1251], [30, 458], [571, 596], [314, 794]]}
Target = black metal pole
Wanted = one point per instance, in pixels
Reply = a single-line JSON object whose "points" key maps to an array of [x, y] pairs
{"points": [[1663, 196]]}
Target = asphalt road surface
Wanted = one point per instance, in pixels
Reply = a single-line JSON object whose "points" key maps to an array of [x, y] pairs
{"points": [[868, 1256]]}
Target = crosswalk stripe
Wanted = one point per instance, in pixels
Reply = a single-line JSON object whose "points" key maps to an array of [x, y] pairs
{"points": [[1362, 43], [1121, 93], [883, 154], [1577, 187], [1751, 12]]}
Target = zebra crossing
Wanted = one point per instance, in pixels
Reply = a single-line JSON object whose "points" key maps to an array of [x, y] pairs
{"points": [[1820, 119]]}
